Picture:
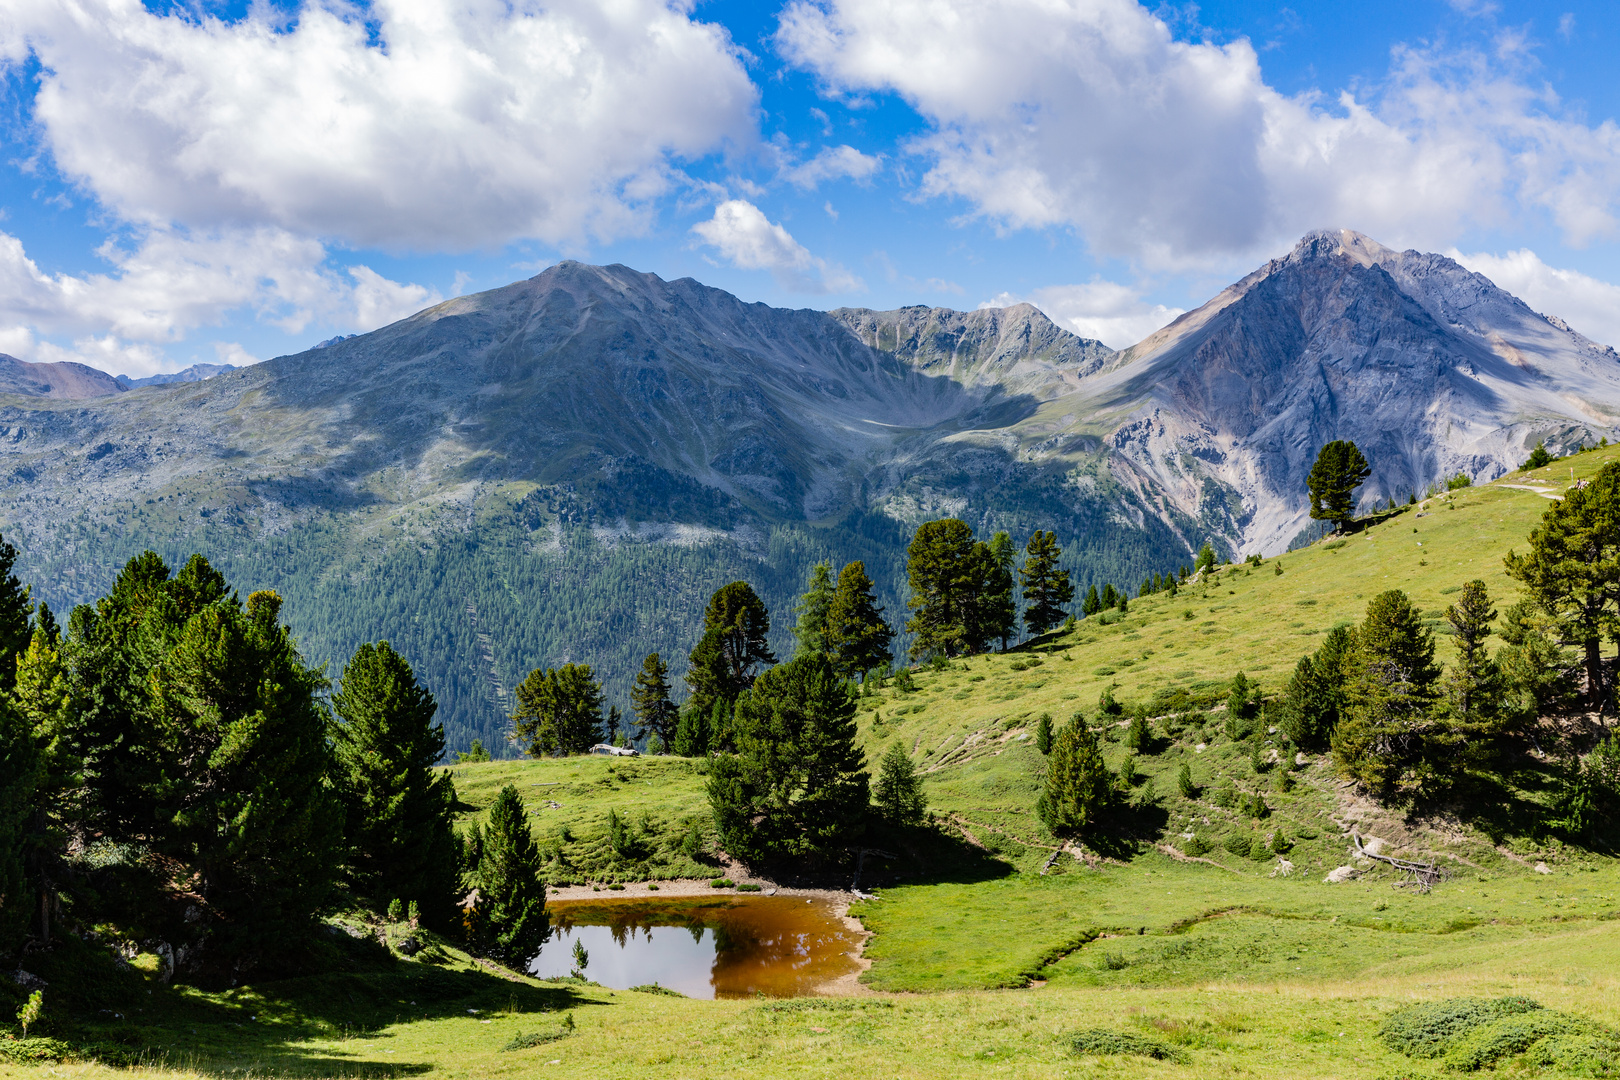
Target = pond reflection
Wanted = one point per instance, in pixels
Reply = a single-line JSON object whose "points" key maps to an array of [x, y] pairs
{"points": [[706, 947]]}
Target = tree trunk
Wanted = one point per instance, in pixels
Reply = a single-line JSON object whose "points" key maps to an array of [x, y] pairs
{"points": [[1594, 676]]}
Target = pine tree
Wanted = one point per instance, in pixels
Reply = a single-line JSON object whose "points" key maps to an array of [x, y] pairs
{"points": [[656, 715], [1572, 571], [1242, 706], [1043, 734], [559, 711], [735, 627], [1539, 457], [510, 921], [691, 738], [1092, 604], [1047, 588], [398, 813], [1390, 693], [899, 791], [244, 795], [992, 612], [1339, 469], [15, 608], [1474, 687], [1110, 598], [797, 786], [812, 610], [942, 574], [857, 637], [19, 778], [1205, 560], [1077, 784]]}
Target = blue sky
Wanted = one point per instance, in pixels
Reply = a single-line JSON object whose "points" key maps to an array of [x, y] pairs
{"points": [[189, 182]]}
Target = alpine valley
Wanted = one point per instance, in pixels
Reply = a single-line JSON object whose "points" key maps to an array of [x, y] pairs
{"points": [[565, 468]]}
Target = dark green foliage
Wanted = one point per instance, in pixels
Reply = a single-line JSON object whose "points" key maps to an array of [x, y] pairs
{"points": [[1106, 705], [656, 715], [1476, 689], [898, 791], [398, 813], [1226, 796], [1092, 604], [692, 732], [1388, 727], [994, 614], [1590, 805], [1109, 598], [19, 777], [1239, 844], [621, 837], [1470, 1034], [736, 625], [1139, 736], [1047, 588], [797, 786], [242, 791], [1199, 846], [1280, 844], [1314, 699], [15, 609], [811, 628], [961, 591], [857, 639], [1077, 783], [1116, 1042], [1043, 733], [473, 754], [1205, 559], [1339, 469], [1242, 707], [1184, 781], [509, 922], [1539, 456], [1572, 571], [558, 711], [1539, 675], [1458, 482]]}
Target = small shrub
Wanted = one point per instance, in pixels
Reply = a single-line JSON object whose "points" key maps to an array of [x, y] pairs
{"points": [[1238, 844], [1280, 844], [540, 1038], [29, 1014], [1283, 781], [654, 988], [903, 681], [1198, 845], [1017, 665], [1259, 760], [1127, 771], [1139, 737], [1043, 733], [1117, 1042], [1184, 781], [396, 910], [1107, 706], [1113, 961], [748, 886], [1226, 795], [722, 883]]}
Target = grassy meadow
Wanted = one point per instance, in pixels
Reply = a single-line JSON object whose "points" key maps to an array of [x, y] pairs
{"points": [[988, 956]]}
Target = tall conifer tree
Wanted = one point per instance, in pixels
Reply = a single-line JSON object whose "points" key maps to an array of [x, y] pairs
{"points": [[401, 843], [510, 921], [558, 711], [813, 609], [656, 714], [1047, 588], [857, 638]]}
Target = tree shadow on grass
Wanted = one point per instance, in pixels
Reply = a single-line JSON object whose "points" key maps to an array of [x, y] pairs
{"points": [[267, 1028]]}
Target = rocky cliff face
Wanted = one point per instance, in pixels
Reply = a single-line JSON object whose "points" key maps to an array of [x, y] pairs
{"points": [[1429, 368]]}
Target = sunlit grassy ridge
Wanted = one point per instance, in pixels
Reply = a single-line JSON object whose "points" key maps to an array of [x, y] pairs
{"points": [[1236, 967]]}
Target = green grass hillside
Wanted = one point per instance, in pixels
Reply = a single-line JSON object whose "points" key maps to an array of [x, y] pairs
{"points": [[989, 956]]}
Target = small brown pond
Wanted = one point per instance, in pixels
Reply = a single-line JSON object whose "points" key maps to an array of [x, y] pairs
{"points": [[703, 947]]}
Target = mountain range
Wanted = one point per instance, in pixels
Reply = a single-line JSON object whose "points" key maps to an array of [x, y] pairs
{"points": [[564, 467]]}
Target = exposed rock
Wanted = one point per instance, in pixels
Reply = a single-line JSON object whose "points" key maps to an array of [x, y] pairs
{"points": [[1341, 874], [1541, 868]]}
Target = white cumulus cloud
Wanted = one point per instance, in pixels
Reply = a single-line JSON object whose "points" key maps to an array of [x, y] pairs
{"points": [[171, 283], [833, 163], [1089, 114], [747, 239], [424, 124], [1113, 314], [1586, 303]]}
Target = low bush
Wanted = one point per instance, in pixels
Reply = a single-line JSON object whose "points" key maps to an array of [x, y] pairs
{"points": [[1475, 1033], [654, 988], [1113, 961], [721, 883], [1198, 846], [748, 886], [1119, 1042], [540, 1038], [1238, 844]]}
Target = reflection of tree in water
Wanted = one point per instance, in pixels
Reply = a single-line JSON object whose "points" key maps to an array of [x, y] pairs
{"points": [[773, 946]]}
